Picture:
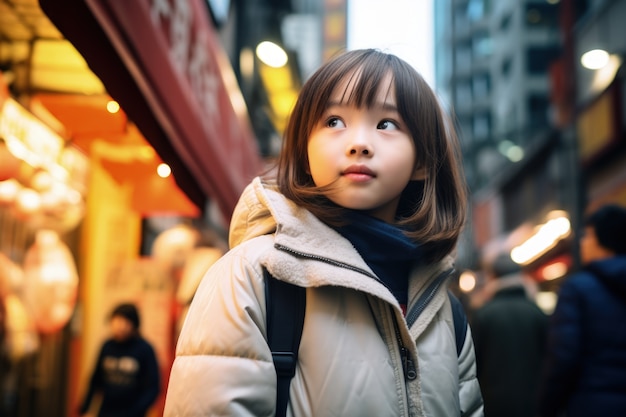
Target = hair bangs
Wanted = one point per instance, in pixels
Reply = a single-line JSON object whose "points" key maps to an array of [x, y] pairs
{"points": [[365, 80]]}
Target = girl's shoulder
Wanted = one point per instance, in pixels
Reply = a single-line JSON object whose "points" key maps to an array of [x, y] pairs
{"points": [[258, 244], [252, 253]]}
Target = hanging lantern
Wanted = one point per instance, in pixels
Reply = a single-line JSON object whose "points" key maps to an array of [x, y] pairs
{"points": [[172, 246], [50, 282], [198, 261]]}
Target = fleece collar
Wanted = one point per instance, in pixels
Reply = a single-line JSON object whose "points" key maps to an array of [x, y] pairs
{"points": [[304, 240]]}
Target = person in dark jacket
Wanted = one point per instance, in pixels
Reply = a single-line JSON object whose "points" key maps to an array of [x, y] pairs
{"points": [[586, 370], [510, 333], [126, 372]]}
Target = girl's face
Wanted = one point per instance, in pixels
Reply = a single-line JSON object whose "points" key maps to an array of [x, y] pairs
{"points": [[366, 153]]}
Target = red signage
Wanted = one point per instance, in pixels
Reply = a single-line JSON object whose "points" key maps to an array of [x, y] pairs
{"points": [[175, 57]]}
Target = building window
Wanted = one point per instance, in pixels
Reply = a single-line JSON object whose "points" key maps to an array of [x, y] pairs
{"points": [[481, 127], [461, 22], [507, 64], [481, 86], [478, 9], [505, 23], [538, 110], [538, 59], [463, 58], [482, 45], [463, 95]]}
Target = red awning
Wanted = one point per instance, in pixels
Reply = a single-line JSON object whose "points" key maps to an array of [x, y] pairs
{"points": [[162, 61]]}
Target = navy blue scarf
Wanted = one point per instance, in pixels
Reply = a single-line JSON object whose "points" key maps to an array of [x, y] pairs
{"points": [[385, 249]]}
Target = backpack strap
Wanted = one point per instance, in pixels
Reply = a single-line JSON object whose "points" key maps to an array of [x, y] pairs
{"points": [[460, 321], [285, 304]]}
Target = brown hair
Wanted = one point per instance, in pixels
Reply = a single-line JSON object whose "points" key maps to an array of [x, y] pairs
{"points": [[432, 211]]}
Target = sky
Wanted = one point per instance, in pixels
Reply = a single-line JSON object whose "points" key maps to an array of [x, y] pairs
{"points": [[401, 27]]}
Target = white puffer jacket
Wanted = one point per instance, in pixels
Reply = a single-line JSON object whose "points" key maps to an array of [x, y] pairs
{"points": [[349, 360]]}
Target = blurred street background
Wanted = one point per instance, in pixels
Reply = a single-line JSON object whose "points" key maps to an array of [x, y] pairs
{"points": [[128, 129]]}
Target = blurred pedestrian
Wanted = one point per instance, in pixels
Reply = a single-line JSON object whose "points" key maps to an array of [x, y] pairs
{"points": [[364, 211], [510, 333], [586, 368], [126, 374]]}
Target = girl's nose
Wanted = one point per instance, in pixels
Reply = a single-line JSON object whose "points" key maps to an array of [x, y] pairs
{"points": [[359, 144], [359, 149]]}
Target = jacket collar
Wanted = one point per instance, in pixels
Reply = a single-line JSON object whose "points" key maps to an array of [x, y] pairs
{"points": [[300, 236]]}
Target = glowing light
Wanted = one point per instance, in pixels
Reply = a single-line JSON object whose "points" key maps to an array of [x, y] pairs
{"points": [[467, 281], [28, 201], [164, 170], [113, 107], [546, 237], [554, 271], [9, 190], [595, 59], [271, 54]]}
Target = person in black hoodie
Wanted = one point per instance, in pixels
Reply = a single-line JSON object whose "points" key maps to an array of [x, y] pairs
{"points": [[586, 367], [126, 372]]}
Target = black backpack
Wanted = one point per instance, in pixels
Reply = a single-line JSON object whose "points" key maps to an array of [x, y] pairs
{"points": [[285, 304]]}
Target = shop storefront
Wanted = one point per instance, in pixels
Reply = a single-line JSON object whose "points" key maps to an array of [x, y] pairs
{"points": [[601, 130], [43, 188], [162, 63]]}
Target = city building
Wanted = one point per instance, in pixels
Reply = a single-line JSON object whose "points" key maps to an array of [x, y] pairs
{"points": [[542, 134]]}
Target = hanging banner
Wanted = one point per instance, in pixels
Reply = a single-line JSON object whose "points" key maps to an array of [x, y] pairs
{"points": [[175, 59]]}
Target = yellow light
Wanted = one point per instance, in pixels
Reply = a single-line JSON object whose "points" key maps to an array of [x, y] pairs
{"points": [[28, 201], [271, 54], [467, 281], [546, 237], [164, 170], [113, 107], [9, 190]]}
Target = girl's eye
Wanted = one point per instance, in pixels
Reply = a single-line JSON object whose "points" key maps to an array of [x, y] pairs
{"points": [[334, 122], [387, 125]]}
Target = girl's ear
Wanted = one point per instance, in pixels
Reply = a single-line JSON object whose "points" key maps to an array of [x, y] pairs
{"points": [[419, 174]]}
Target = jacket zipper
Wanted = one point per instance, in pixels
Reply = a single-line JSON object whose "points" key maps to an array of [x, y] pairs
{"points": [[299, 254], [426, 297], [407, 362], [408, 365]]}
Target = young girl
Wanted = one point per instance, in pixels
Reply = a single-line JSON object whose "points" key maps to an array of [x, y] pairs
{"points": [[367, 204]]}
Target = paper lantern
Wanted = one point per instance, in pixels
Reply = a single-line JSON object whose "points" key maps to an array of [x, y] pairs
{"points": [[197, 263], [50, 282], [172, 246]]}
